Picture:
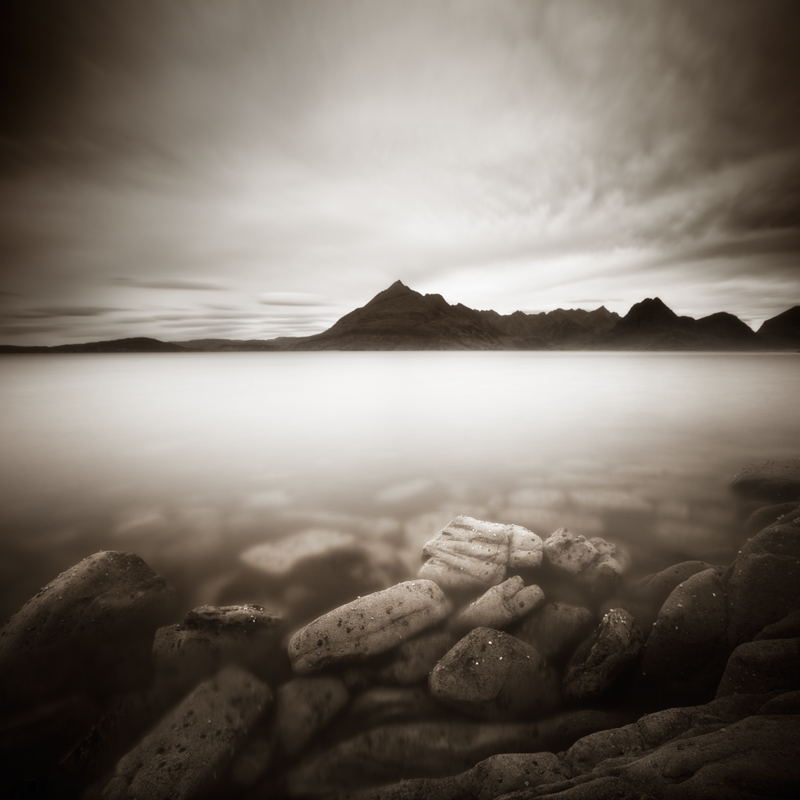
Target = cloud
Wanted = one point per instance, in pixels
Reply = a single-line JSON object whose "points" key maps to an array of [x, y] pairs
{"points": [[179, 285]]}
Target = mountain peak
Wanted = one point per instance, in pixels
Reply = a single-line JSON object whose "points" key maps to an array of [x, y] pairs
{"points": [[397, 289]]}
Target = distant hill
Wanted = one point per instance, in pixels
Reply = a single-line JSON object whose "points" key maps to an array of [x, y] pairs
{"points": [[140, 344], [399, 318]]}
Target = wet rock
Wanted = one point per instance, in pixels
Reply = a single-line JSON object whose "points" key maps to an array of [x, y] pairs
{"points": [[786, 628], [763, 583], [753, 757], [383, 704], [390, 753], [653, 730], [500, 606], [250, 765], [493, 675], [772, 481], [691, 631], [556, 630], [280, 558], [213, 636], [95, 621], [601, 659], [760, 667], [303, 707], [786, 703], [653, 590], [469, 554], [594, 563], [368, 625], [767, 515], [187, 753]]}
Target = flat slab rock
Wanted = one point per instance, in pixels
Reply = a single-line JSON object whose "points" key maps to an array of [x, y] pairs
{"points": [[493, 675], [190, 748], [367, 626], [471, 554]]}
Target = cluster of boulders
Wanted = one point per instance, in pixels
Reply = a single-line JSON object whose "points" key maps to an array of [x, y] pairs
{"points": [[510, 666]]}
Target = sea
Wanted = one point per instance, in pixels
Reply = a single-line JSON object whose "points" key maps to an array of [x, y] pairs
{"points": [[194, 460]]}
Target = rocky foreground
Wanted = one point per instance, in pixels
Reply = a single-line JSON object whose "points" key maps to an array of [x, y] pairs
{"points": [[512, 666]]}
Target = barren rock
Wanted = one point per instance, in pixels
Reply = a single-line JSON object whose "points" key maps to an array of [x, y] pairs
{"points": [[500, 606], [556, 630], [760, 667]]}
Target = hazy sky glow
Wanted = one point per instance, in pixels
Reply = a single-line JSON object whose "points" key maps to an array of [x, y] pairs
{"points": [[251, 169]]}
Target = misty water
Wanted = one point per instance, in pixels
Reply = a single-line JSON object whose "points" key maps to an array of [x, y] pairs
{"points": [[190, 460]]}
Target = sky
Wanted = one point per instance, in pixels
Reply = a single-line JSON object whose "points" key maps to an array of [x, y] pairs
{"points": [[253, 169]]}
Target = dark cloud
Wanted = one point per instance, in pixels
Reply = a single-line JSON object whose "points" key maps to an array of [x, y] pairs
{"points": [[62, 311]]}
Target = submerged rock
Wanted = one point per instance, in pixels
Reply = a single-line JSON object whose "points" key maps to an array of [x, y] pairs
{"points": [[595, 666], [469, 554], [556, 630], [500, 606], [492, 675], [95, 621], [214, 636], [303, 707], [188, 751], [594, 563], [690, 634], [772, 481], [368, 626]]}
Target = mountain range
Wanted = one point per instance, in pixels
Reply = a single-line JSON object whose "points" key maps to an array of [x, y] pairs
{"points": [[399, 318]]}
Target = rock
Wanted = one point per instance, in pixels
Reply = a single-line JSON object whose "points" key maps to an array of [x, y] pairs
{"points": [[763, 583], [382, 704], [556, 630], [95, 621], [493, 675], [368, 625], [653, 730], [760, 667], [303, 707], [469, 554], [691, 631], [786, 703], [278, 559], [187, 753], [390, 753], [767, 515], [415, 658], [214, 636], [786, 628], [500, 606], [773, 481], [252, 762], [754, 757], [595, 666], [594, 563], [653, 590]]}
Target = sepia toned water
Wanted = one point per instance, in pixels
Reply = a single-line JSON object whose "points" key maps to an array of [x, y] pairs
{"points": [[189, 460]]}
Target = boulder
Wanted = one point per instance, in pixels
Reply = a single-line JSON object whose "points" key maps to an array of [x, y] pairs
{"points": [[760, 667], [768, 515], [96, 621], [367, 626], [389, 753], [556, 630], [763, 583], [773, 481], [493, 675], [189, 750], [303, 707], [593, 563], [601, 659], [786, 628], [691, 631], [214, 636], [500, 606], [415, 658], [469, 554]]}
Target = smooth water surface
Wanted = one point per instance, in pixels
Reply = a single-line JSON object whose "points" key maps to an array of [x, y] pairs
{"points": [[190, 459]]}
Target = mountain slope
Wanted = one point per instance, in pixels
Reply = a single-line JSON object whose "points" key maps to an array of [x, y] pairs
{"points": [[783, 330]]}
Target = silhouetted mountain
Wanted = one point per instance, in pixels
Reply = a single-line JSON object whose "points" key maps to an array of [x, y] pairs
{"points": [[399, 318], [140, 344], [652, 325], [783, 330]]}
